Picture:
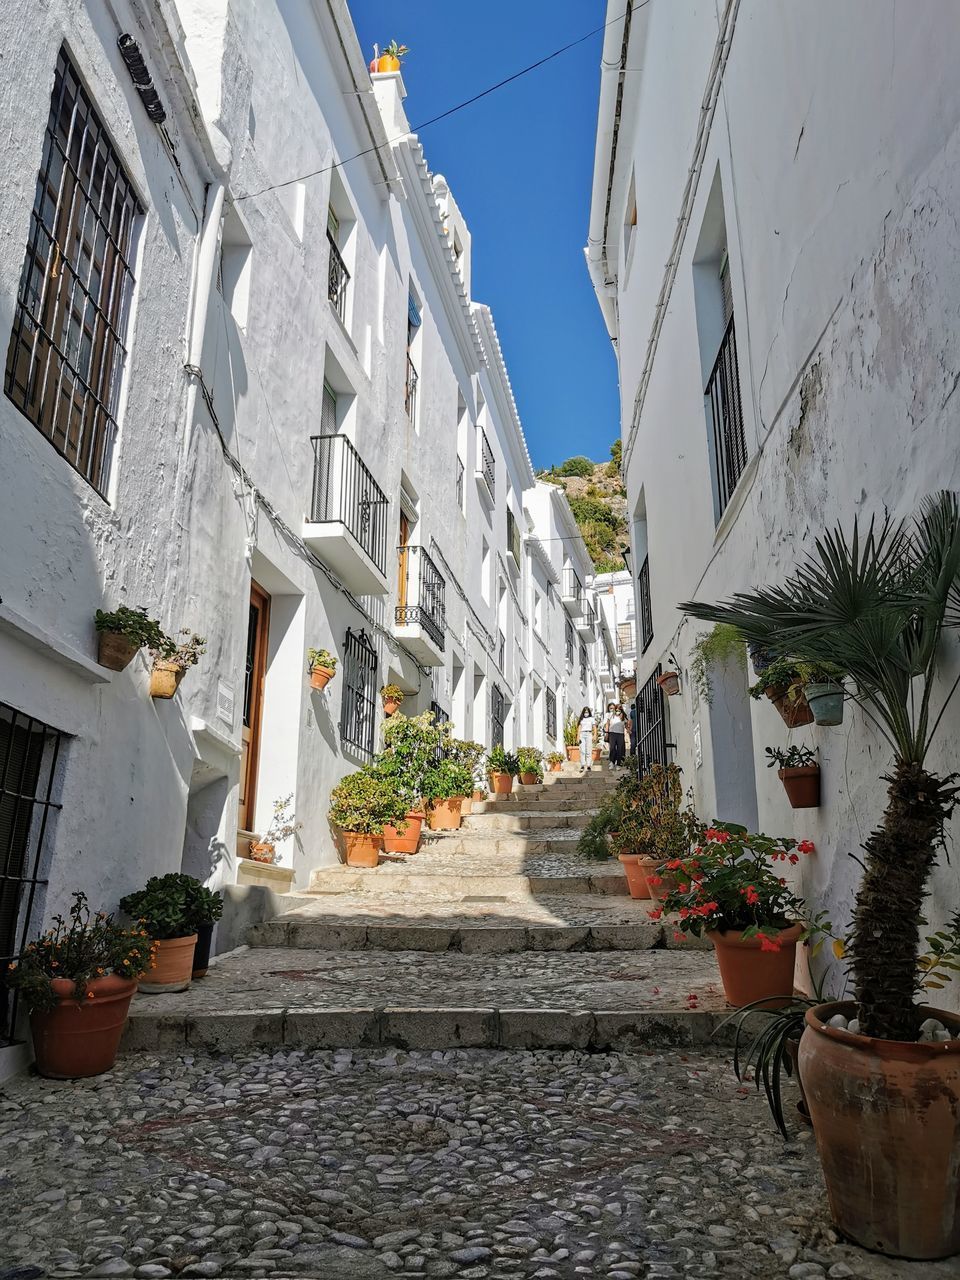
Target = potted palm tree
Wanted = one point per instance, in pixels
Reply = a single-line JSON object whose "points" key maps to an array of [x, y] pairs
{"points": [[885, 1100]]}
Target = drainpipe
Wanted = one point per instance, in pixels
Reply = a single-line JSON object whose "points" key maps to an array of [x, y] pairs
{"points": [[611, 76], [204, 274]]}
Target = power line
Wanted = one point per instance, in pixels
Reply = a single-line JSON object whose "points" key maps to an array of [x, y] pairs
{"points": [[484, 93]]}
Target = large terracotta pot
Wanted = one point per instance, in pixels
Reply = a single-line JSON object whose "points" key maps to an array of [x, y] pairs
{"points": [[529, 779], [501, 784], [668, 880], [362, 850], [387, 62], [555, 766], [320, 677], [444, 815], [466, 805], [802, 786], [595, 755], [165, 678], [81, 1037], [409, 841], [573, 755], [886, 1115], [173, 966], [792, 704], [201, 954], [635, 873], [115, 651], [479, 797], [749, 973]]}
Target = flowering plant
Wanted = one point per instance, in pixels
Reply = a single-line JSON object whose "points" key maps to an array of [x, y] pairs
{"points": [[653, 819], [730, 882], [82, 949]]}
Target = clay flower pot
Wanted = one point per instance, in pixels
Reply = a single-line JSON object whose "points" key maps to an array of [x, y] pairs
{"points": [[114, 651], [320, 677], [886, 1115], [173, 967], [636, 874], [479, 797], [595, 755], [669, 682], [408, 841], [573, 755], [387, 62], [263, 851], [555, 767], [201, 954], [165, 678], [792, 704], [668, 881], [501, 784], [81, 1037], [528, 779], [826, 703], [802, 786], [466, 805], [390, 706], [751, 974], [362, 850], [444, 815]]}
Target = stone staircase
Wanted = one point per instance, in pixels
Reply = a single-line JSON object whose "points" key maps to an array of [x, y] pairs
{"points": [[496, 935]]}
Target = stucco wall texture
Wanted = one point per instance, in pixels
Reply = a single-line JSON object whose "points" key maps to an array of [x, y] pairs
{"points": [[834, 158], [214, 468]]}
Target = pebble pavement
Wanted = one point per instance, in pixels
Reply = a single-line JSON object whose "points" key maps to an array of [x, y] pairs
{"points": [[345, 1165]]}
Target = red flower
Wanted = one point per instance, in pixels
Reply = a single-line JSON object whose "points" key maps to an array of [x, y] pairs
{"points": [[683, 888], [655, 914], [675, 863], [751, 895], [654, 880], [677, 936], [768, 944], [807, 846], [794, 859], [684, 912]]}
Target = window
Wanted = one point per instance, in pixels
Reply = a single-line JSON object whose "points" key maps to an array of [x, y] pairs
{"points": [[486, 464], [513, 538], [67, 349], [497, 716], [651, 725], [624, 637], [537, 611], [485, 570], [414, 321], [358, 707], [29, 785], [551, 714], [568, 639], [646, 608], [338, 277], [460, 484], [583, 663]]}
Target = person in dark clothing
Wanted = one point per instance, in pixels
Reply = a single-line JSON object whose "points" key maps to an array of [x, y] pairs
{"points": [[633, 728], [616, 727]]}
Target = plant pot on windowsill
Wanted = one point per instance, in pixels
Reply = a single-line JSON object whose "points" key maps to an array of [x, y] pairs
{"points": [[792, 704], [362, 850], [802, 786], [263, 851], [669, 682], [501, 784], [165, 678], [826, 703]]}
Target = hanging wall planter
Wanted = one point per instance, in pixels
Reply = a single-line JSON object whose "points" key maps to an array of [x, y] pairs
{"points": [[669, 682], [322, 666], [792, 704], [122, 633], [391, 696], [799, 772], [826, 703]]}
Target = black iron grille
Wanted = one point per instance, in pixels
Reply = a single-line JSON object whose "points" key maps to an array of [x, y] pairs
{"points": [[358, 707], [497, 716], [646, 610], [651, 725], [344, 491], [425, 595], [726, 409], [338, 278], [551, 714], [486, 465]]}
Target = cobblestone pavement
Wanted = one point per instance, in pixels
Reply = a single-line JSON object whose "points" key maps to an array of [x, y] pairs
{"points": [[354, 1166], [281, 978]]}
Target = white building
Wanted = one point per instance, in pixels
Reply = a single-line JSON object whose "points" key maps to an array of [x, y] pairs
{"points": [[247, 387], [793, 364]]}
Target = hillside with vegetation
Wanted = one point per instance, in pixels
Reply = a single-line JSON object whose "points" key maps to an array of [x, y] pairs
{"points": [[599, 503]]}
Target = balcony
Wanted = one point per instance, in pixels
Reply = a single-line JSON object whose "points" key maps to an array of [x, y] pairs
{"points": [[587, 621], [410, 390], [486, 465], [347, 524], [338, 279], [571, 592], [420, 617]]}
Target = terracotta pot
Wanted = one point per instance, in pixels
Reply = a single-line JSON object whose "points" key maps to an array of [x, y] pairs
{"points": [[802, 786], [173, 967], [792, 704], [886, 1115], [529, 779], [479, 797], [749, 974], [466, 805], [501, 784], [669, 682], [556, 766], [115, 651], [444, 815], [596, 754], [409, 841], [668, 879], [387, 62], [81, 1037], [390, 706], [573, 755], [362, 850], [803, 1111], [201, 954], [263, 851], [320, 677], [165, 679], [635, 873]]}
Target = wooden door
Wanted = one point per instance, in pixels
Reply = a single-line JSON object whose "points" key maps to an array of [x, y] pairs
{"points": [[404, 560], [254, 673]]}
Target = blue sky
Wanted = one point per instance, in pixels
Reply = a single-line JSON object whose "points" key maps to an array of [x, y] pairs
{"points": [[520, 164]]}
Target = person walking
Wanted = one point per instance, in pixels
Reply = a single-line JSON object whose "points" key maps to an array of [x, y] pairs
{"points": [[615, 726], [585, 725], [633, 727]]}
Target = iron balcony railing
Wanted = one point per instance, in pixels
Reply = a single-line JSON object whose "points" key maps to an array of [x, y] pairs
{"points": [[486, 466], [726, 409], [345, 492], [425, 596], [410, 392], [646, 609], [572, 586], [338, 278], [513, 537]]}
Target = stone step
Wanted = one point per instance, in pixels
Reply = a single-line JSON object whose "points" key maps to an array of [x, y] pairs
{"points": [[536, 804], [560, 840], [367, 921], [466, 884], [412, 1000], [525, 820]]}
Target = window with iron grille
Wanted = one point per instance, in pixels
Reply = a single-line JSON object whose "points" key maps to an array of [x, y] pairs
{"points": [[726, 405], [624, 637], [439, 715], [651, 725], [29, 802], [67, 348], [358, 705], [460, 483], [486, 463], [583, 664], [551, 714], [568, 641], [338, 277], [646, 608], [513, 538], [497, 716]]}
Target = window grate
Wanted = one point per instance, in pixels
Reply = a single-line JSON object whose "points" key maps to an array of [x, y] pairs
{"points": [[29, 787], [651, 725], [502, 652], [460, 484], [358, 707], [338, 277], [513, 538], [486, 464], [410, 390], [646, 608], [497, 716], [67, 349], [551, 714], [726, 412], [583, 664], [625, 637], [568, 642]]}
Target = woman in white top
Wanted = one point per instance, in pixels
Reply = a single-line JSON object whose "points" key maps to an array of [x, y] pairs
{"points": [[616, 727], [586, 724]]}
